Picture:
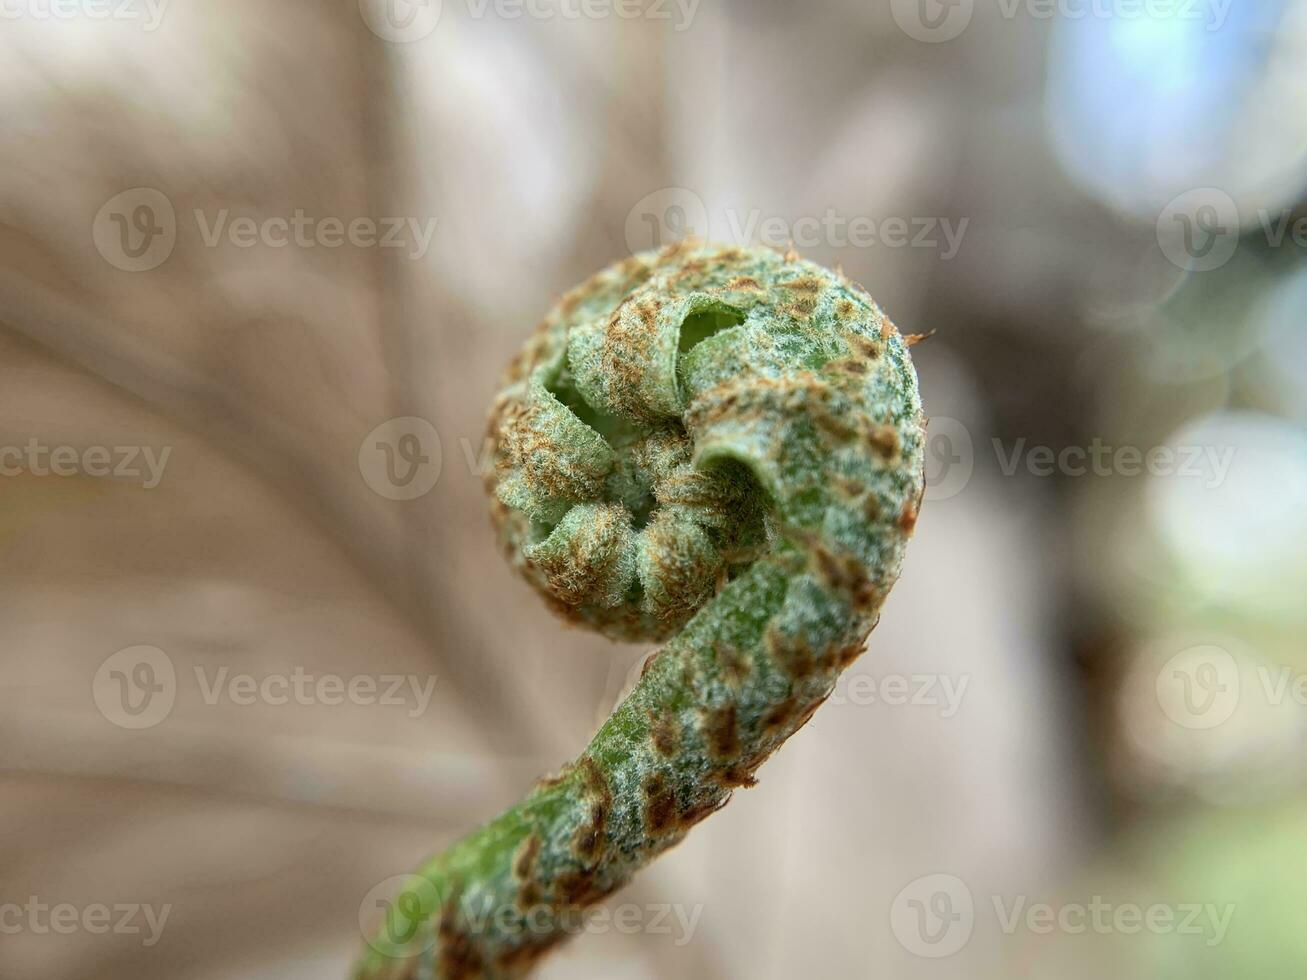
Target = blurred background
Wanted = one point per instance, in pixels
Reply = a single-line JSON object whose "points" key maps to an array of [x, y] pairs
{"points": [[260, 269]]}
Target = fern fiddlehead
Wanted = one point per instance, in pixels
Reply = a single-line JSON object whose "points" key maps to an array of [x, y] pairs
{"points": [[717, 447]]}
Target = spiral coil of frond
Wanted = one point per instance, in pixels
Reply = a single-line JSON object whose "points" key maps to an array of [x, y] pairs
{"points": [[718, 447]]}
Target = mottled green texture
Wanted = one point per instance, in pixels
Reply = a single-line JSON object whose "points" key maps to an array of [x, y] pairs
{"points": [[718, 445]]}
